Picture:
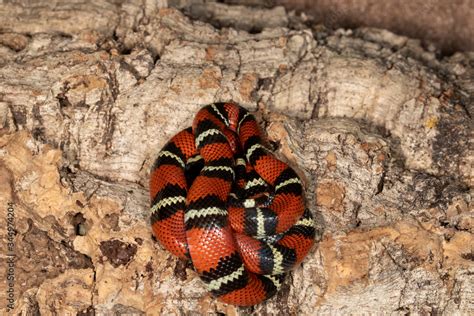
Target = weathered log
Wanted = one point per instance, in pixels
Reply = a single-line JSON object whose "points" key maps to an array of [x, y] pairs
{"points": [[378, 127]]}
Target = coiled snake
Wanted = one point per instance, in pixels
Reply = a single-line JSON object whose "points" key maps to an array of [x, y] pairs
{"points": [[222, 200]]}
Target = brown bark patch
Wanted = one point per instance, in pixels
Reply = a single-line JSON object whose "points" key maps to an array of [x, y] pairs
{"points": [[330, 195], [117, 252]]}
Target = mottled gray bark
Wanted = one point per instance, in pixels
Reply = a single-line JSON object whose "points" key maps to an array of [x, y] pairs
{"points": [[378, 128]]}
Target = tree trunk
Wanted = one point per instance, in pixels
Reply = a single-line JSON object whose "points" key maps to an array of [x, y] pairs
{"points": [[378, 128], [447, 24]]}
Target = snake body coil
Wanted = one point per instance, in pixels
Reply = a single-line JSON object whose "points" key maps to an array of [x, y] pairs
{"points": [[219, 198]]}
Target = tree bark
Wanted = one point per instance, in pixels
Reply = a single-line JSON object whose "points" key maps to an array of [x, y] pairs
{"points": [[378, 128], [441, 24]]}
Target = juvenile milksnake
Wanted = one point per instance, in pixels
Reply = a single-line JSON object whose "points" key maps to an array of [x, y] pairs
{"points": [[220, 199]]}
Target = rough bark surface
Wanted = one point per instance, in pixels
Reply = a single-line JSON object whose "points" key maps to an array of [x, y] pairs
{"points": [[378, 127]]}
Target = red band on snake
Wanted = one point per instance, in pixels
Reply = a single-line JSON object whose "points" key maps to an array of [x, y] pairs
{"points": [[222, 200]]}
